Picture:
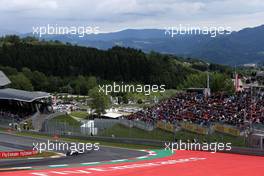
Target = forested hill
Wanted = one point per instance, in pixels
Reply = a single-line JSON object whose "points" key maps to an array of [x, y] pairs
{"points": [[115, 64], [238, 48]]}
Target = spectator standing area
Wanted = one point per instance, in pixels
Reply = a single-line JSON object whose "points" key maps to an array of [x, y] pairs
{"points": [[237, 110]]}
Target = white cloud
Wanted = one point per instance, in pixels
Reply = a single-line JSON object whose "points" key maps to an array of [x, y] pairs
{"points": [[118, 14], [24, 5]]}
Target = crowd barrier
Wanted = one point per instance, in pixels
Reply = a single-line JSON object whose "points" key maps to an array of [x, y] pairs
{"points": [[137, 123], [127, 123], [195, 128], [200, 129], [227, 129], [166, 126]]}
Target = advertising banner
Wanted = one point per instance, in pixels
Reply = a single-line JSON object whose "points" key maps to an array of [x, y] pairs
{"points": [[165, 126], [16, 154], [226, 129], [194, 128]]}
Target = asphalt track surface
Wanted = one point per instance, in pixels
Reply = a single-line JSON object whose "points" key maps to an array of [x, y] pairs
{"points": [[26, 143], [182, 163]]}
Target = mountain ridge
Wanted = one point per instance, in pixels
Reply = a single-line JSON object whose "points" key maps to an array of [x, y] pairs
{"points": [[240, 47]]}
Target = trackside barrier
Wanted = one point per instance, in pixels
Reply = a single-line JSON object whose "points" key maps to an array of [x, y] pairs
{"points": [[137, 123], [227, 129], [195, 128], [17, 154], [143, 125], [127, 123], [166, 126], [104, 123], [4, 121]]}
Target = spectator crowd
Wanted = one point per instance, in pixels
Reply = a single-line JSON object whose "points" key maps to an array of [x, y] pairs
{"points": [[14, 117], [15, 111], [237, 110]]}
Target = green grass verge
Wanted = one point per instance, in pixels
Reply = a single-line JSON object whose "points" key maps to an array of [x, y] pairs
{"points": [[66, 119], [215, 137], [119, 130], [80, 114], [45, 154], [65, 139], [157, 134]]}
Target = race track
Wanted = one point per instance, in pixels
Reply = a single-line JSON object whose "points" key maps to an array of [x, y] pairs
{"points": [[25, 143], [123, 162]]}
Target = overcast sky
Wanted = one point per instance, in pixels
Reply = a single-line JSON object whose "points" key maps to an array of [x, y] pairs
{"points": [[112, 15]]}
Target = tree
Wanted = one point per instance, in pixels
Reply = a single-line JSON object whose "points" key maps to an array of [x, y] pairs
{"points": [[55, 84], [12, 39], [9, 70], [92, 82], [221, 83], [100, 102], [20, 81], [39, 81], [27, 72], [80, 85], [218, 82], [195, 81], [115, 64]]}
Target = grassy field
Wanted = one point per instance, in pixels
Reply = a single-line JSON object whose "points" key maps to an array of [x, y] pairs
{"points": [[66, 119], [122, 131], [80, 114], [112, 144], [119, 130], [46, 154]]}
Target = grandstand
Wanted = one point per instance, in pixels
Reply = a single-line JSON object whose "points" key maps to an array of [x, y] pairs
{"points": [[260, 78], [21, 107], [237, 115], [234, 110]]}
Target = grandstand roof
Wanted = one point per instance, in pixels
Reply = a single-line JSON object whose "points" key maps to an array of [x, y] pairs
{"points": [[3, 79], [21, 95], [112, 115], [260, 74]]}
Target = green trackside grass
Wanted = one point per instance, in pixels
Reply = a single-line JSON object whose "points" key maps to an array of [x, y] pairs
{"points": [[215, 137], [119, 130], [66, 119], [111, 144], [45, 154], [80, 114]]}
